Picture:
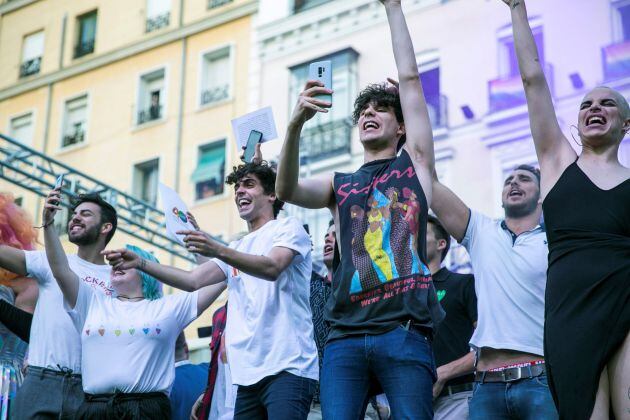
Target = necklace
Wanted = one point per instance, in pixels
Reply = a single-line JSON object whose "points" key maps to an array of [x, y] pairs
{"points": [[134, 298]]}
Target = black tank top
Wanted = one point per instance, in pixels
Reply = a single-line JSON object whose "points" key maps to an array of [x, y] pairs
{"points": [[382, 279]]}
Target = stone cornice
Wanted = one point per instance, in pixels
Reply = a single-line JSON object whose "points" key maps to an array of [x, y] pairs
{"points": [[327, 22], [9, 6], [122, 53]]}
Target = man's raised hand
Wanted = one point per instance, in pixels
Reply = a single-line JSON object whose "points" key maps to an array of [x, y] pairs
{"points": [[512, 3], [123, 259], [51, 206], [307, 105], [200, 242]]}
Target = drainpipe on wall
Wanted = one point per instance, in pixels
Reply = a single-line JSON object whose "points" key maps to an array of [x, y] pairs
{"points": [[180, 107]]}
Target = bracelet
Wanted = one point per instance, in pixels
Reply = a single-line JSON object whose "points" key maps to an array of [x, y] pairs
{"points": [[143, 264], [45, 225]]}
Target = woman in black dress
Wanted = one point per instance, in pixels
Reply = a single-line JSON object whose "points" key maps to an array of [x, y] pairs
{"points": [[587, 214]]}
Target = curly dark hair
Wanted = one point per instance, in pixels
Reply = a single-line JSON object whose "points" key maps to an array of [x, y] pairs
{"points": [[264, 172], [382, 94]]}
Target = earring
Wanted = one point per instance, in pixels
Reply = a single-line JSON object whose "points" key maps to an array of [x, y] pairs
{"points": [[573, 137]]}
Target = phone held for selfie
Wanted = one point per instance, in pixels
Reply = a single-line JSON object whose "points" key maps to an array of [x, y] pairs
{"points": [[322, 71], [254, 138], [59, 182]]}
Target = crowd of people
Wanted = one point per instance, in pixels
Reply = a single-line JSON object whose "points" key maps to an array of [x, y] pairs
{"points": [[382, 329]]}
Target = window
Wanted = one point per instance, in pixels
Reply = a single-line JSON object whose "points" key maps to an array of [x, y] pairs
{"points": [[429, 70], [210, 172], [21, 128], [32, 51], [158, 14], [616, 61], [216, 74], [506, 91], [301, 5], [151, 97], [217, 3], [329, 134], [621, 23], [508, 62], [145, 180], [86, 34], [75, 121]]}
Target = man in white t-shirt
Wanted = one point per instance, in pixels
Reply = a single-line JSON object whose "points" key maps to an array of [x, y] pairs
{"points": [[509, 259], [52, 387], [269, 332]]}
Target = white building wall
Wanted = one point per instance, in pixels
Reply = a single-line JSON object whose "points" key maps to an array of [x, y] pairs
{"points": [[472, 156]]}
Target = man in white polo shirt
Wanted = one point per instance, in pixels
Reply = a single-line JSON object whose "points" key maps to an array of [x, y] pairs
{"points": [[509, 259]]}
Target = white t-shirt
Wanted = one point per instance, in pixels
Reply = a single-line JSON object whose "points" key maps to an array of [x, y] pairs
{"points": [[269, 328], [510, 279], [130, 346], [223, 397], [54, 342]]}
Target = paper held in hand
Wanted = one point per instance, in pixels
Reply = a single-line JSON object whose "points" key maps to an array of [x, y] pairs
{"points": [[260, 120], [175, 213]]}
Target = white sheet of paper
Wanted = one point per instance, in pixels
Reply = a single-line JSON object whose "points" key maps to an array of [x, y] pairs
{"points": [[175, 213], [261, 120]]}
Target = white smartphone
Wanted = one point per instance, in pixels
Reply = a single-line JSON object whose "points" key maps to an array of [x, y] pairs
{"points": [[322, 71]]}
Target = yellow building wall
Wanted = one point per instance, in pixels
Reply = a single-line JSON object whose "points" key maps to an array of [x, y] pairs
{"points": [[113, 143]]}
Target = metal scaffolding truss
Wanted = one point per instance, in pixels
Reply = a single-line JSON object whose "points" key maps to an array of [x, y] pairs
{"points": [[36, 172]]}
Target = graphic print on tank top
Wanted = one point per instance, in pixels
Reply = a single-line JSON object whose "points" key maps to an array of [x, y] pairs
{"points": [[381, 276]]}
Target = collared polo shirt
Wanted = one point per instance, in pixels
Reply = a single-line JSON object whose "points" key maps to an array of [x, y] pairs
{"points": [[510, 278]]}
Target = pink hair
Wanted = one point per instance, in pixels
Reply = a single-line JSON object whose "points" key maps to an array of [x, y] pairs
{"points": [[16, 226]]}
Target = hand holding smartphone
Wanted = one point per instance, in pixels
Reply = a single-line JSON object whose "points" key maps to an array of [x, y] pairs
{"points": [[59, 182], [254, 138], [322, 71]]}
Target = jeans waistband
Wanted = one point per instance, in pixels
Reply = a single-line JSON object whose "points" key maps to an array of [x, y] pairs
{"points": [[425, 331], [60, 371]]}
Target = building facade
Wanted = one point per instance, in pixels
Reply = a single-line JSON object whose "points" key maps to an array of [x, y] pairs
{"points": [[131, 93], [466, 61]]}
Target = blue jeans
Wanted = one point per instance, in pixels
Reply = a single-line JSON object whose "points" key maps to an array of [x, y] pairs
{"points": [[281, 396], [400, 360], [525, 399]]}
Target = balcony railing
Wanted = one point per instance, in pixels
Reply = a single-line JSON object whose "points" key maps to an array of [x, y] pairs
{"points": [[616, 58], [157, 22], [77, 137], [215, 94], [217, 3], [152, 113], [326, 140], [30, 67], [84, 48], [506, 93]]}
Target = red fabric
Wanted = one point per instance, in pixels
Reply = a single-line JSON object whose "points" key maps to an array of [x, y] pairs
{"points": [[219, 319]]}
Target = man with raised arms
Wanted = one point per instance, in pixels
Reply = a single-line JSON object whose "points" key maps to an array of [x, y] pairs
{"points": [[383, 307]]}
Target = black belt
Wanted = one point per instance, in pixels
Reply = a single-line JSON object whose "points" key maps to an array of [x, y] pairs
{"points": [[510, 374], [425, 331], [61, 371], [455, 389], [123, 396]]}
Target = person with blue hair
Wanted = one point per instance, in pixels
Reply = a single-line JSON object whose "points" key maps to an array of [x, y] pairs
{"points": [[127, 336], [151, 288]]}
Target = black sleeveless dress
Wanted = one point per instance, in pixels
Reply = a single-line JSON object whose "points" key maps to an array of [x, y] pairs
{"points": [[587, 301]]}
